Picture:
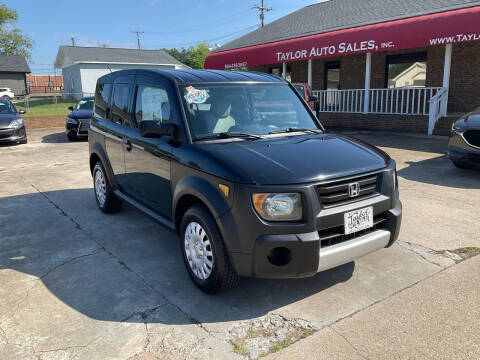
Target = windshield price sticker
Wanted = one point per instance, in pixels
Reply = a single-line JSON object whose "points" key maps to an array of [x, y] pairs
{"points": [[196, 96]]}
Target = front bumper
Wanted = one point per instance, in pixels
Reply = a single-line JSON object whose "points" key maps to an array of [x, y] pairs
{"points": [[462, 152], [12, 135], [293, 250], [79, 130], [303, 254]]}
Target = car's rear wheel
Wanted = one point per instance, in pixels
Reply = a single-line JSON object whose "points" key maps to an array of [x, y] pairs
{"points": [[6, 97], [204, 252], [106, 199], [71, 137]]}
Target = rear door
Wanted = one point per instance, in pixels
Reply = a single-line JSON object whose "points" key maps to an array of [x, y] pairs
{"points": [[147, 160], [120, 118]]}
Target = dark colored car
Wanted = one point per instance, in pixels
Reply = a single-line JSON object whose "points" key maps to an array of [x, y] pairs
{"points": [[464, 143], [251, 188], [306, 93], [12, 126], [78, 120]]}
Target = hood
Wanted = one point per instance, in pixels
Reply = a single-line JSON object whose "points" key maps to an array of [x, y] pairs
{"points": [[81, 114], [295, 159], [470, 121], [6, 119]]}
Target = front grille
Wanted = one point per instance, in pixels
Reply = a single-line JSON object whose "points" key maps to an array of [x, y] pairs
{"points": [[336, 235], [336, 192], [472, 137], [5, 134], [84, 123]]}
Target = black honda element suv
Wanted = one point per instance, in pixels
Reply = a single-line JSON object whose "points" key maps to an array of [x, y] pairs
{"points": [[239, 166]]}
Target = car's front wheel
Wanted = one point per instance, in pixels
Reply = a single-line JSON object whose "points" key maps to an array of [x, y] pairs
{"points": [[204, 252], [106, 199]]}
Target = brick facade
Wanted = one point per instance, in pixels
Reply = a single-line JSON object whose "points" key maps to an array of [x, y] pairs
{"points": [[464, 94]]}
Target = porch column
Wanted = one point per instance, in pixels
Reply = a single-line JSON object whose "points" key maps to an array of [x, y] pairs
{"points": [[368, 75], [310, 73], [284, 70], [446, 75]]}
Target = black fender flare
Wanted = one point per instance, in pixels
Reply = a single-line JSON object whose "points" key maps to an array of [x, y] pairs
{"points": [[99, 151], [203, 190], [218, 206]]}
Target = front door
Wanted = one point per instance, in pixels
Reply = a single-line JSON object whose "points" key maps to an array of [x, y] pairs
{"points": [[147, 160]]}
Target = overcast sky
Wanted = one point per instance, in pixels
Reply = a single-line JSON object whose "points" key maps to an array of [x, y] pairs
{"points": [[167, 23]]}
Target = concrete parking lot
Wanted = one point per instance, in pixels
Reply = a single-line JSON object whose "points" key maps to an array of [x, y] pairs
{"points": [[76, 283]]}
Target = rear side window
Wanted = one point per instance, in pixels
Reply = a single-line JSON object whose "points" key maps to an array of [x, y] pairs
{"points": [[152, 105], [102, 98], [121, 108]]}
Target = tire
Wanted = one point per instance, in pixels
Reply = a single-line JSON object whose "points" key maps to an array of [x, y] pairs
{"points": [[71, 137], [106, 199], [6, 97], [222, 275]]}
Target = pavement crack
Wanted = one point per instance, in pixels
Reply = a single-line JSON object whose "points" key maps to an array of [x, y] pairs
{"points": [[144, 314], [357, 351], [66, 262]]}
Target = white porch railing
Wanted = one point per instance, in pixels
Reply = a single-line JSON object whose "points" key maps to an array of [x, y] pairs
{"points": [[399, 101], [438, 108]]}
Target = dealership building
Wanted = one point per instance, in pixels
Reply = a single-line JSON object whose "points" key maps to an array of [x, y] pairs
{"points": [[376, 64]]}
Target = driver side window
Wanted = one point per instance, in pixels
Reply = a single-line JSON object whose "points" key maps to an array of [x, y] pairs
{"points": [[152, 104]]}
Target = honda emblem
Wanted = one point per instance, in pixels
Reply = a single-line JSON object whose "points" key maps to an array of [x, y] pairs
{"points": [[353, 189]]}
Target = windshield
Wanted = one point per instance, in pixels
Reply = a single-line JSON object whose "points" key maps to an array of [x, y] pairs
{"points": [[85, 104], [243, 108], [7, 108], [300, 89]]}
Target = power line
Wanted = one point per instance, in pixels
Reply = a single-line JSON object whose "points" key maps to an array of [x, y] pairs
{"points": [[138, 36], [262, 9], [213, 39]]}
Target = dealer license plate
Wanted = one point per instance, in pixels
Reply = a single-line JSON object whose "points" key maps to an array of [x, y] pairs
{"points": [[358, 220]]}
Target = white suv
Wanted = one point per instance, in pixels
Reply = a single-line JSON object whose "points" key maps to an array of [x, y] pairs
{"points": [[6, 93]]}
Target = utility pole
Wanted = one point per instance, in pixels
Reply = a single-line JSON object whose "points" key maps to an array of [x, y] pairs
{"points": [[138, 36], [262, 9], [73, 41]]}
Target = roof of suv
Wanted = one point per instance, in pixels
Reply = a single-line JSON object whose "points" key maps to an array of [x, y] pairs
{"points": [[198, 76]]}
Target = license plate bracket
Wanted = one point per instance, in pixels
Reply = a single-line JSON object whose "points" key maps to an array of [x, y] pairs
{"points": [[358, 220]]}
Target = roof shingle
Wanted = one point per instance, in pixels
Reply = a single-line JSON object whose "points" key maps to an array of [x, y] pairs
{"points": [[342, 14], [118, 55], [13, 63]]}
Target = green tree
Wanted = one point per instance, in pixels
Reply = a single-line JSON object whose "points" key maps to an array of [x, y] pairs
{"points": [[12, 40], [193, 56]]}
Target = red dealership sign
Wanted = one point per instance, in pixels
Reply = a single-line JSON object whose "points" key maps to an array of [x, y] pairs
{"points": [[449, 27]]}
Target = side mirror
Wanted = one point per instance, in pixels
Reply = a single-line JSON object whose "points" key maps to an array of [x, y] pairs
{"points": [[312, 98], [70, 108], [153, 129], [22, 112]]}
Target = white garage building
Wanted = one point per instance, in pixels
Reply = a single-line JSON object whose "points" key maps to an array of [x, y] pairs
{"points": [[82, 66]]}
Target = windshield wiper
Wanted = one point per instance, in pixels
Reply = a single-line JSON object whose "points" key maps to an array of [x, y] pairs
{"points": [[292, 129], [229, 135]]}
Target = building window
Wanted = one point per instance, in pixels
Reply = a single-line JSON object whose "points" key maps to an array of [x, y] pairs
{"points": [[407, 70], [277, 70], [332, 75]]}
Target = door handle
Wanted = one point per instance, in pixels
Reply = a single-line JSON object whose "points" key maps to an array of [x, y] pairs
{"points": [[128, 145]]}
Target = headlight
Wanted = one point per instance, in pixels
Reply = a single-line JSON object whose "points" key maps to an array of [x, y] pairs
{"points": [[278, 207], [17, 123], [455, 127], [71, 121]]}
